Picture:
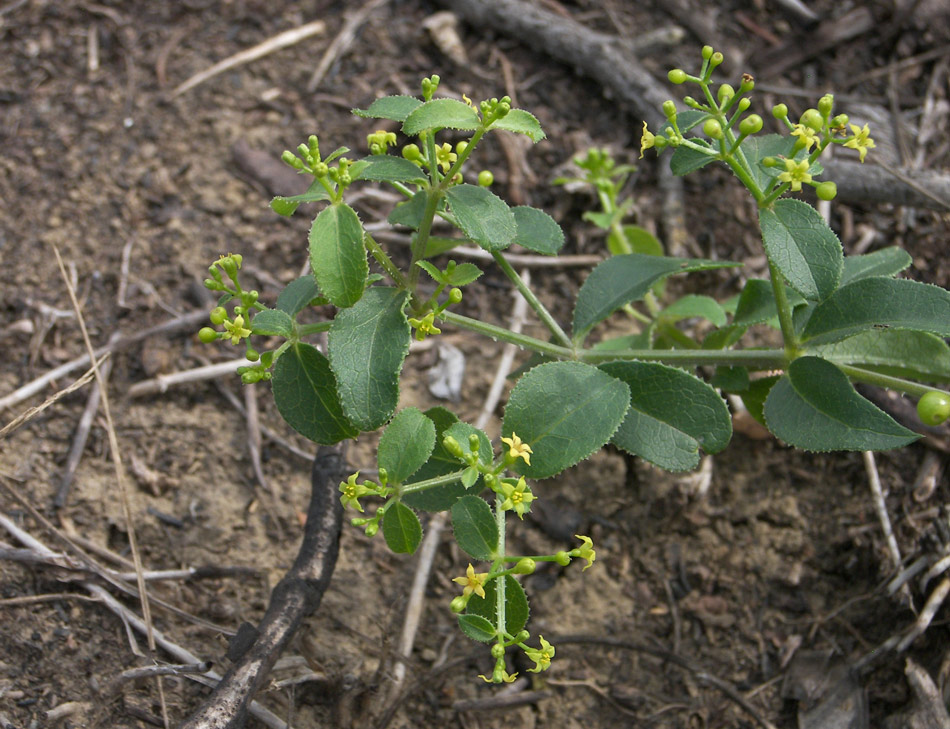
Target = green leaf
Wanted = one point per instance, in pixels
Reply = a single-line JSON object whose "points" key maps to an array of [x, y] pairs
{"points": [[401, 528], [396, 108], [521, 122], [483, 216], [757, 302], [516, 605], [474, 526], [885, 262], [565, 411], [287, 205], [463, 274], [801, 245], [477, 628], [686, 159], [273, 321], [756, 148], [432, 270], [367, 345], [387, 168], [693, 305], [897, 352], [410, 212], [338, 152], [437, 245], [815, 408], [305, 394], [622, 279], [636, 239], [672, 414], [730, 379], [406, 444], [754, 397], [441, 114], [640, 340], [537, 231], [462, 432], [879, 302], [724, 337], [602, 220], [440, 463], [298, 294], [337, 255]]}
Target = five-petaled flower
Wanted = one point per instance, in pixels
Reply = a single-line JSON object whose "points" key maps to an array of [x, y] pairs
{"points": [[236, 329], [861, 140], [425, 326], [518, 449], [445, 156], [352, 491], [796, 173], [472, 582], [806, 136], [647, 140], [518, 497], [503, 675], [541, 656], [585, 551]]}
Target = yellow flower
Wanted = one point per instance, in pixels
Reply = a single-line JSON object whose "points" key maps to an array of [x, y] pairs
{"points": [[472, 582], [860, 141], [445, 156], [425, 326], [796, 173], [647, 140], [518, 497], [379, 141], [352, 491], [236, 330], [585, 551], [518, 449], [504, 676], [541, 656], [806, 136]]}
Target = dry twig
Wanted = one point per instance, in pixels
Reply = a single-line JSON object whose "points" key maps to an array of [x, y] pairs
{"points": [[342, 41]]}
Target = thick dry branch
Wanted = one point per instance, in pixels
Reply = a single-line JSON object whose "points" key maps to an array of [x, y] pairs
{"points": [[613, 63], [297, 595]]}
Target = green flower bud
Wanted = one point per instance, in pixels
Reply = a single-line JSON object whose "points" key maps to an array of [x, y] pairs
{"points": [[228, 265], [252, 355], [525, 566], [474, 442], [691, 102], [752, 124], [771, 162], [452, 446], [826, 190], [455, 295], [320, 169], [498, 651], [289, 158], [744, 104], [715, 59], [303, 150], [840, 121], [659, 142], [707, 52], [725, 93], [371, 529], [812, 119], [522, 636], [825, 104], [218, 315], [461, 147], [250, 377], [712, 129], [669, 108], [780, 111], [562, 558], [411, 152], [677, 76], [207, 335], [486, 178], [213, 285], [458, 604]]}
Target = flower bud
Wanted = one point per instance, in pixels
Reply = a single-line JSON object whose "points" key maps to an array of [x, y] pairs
{"points": [[752, 124], [411, 152], [486, 178], [321, 169], [452, 446], [780, 111], [669, 108], [825, 104], [497, 651], [474, 442], [562, 558], [826, 190], [371, 529], [840, 121], [207, 335], [677, 76], [218, 315], [252, 355], [525, 566], [707, 52], [812, 119], [725, 93], [712, 129], [458, 604], [455, 295], [715, 59], [744, 104]]}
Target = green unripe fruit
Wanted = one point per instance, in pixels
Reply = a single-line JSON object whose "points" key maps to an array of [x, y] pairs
{"points": [[812, 119], [252, 355], [411, 152], [771, 162], [486, 178], [744, 104], [752, 124], [715, 59], [669, 108], [458, 604], [725, 93], [207, 335], [562, 558], [218, 315], [371, 529], [707, 52], [933, 408], [677, 76], [461, 147], [659, 142], [228, 265], [321, 169], [712, 129], [840, 121], [525, 566], [250, 377], [455, 295], [826, 191], [780, 111], [825, 104], [498, 651]]}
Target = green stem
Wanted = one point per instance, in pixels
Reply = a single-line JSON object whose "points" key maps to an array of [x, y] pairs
{"points": [[305, 330], [868, 377], [383, 259], [784, 312], [506, 335], [422, 236], [430, 483], [543, 314], [501, 623]]}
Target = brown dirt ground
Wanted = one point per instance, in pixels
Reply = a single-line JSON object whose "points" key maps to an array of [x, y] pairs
{"points": [[783, 551]]}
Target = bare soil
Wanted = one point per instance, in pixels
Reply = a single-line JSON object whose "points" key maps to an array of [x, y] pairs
{"points": [[778, 555]]}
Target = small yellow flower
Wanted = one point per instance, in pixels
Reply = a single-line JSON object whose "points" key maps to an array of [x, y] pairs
{"points": [[860, 141], [504, 676], [647, 140], [352, 491], [541, 656], [236, 330], [518, 449], [518, 497], [585, 551], [472, 582], [807, 137], [425, 326], [796, 173], [379, 141], [445, 156]]}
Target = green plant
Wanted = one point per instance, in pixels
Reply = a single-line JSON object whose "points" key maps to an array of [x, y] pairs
{"points": [[841, 320]]}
